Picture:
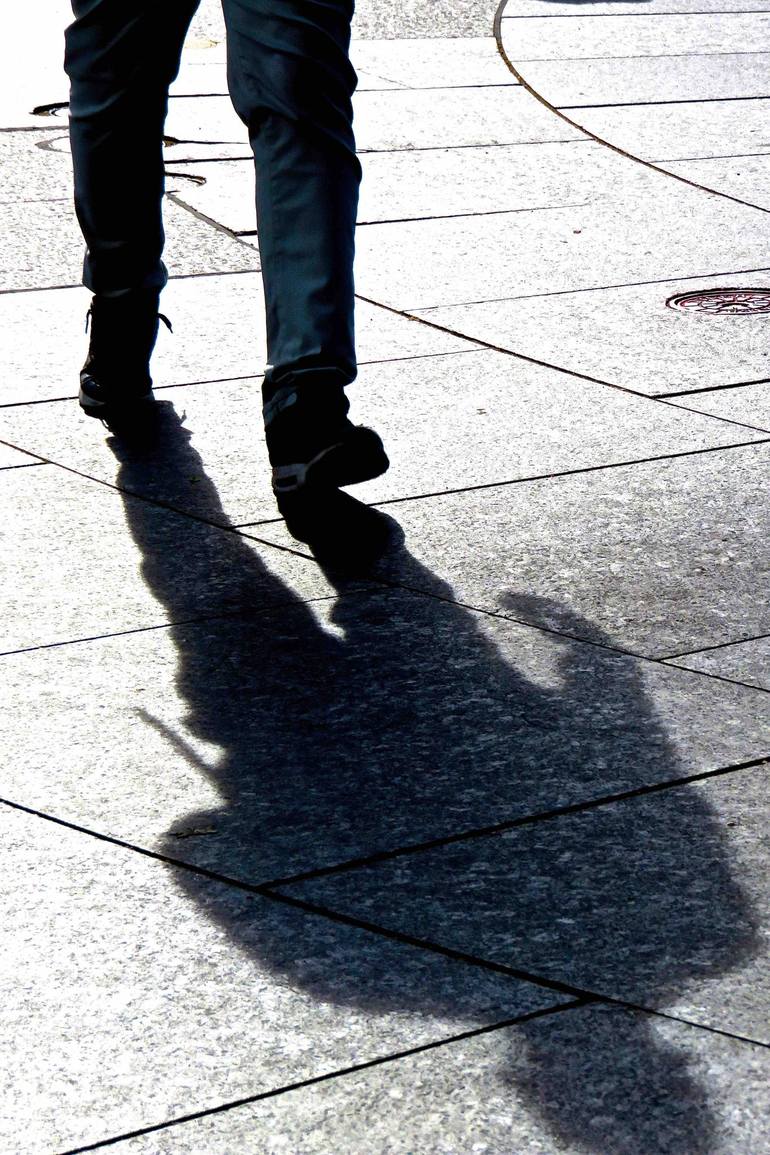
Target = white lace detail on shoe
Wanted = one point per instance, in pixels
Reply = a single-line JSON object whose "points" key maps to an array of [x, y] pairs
{"points": [[287, 478]]}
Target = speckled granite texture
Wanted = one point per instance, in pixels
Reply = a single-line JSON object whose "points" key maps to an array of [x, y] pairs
{"points": [[460, 851]]}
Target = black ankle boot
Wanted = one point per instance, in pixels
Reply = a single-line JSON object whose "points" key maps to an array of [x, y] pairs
{"points": [[311, 442], [115, 382]]}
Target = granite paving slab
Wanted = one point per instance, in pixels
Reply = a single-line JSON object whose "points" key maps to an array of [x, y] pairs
{"points": [[660, 899], [34, 168], [681, 34], [410, 184], [430, 183], [134, 993], [651, 79], [417, 184], [208, 119], [31, 55], [418, 265], [660, 558], [746, 403], [504, 419], [516, 9], [246, 744], [580, 1081], [685, 132], [208, 24], [373, 19], [43, 247], [203, 71], [436, 62], [402, 19], [627, 335], [453, 118], [747, 662], [371, 83], [745, 176], [187, 151], [400, 118], [12, 458], [77, 572], [218, 334]]}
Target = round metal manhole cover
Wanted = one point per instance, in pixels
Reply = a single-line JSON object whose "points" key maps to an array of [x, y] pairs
{"points": [[721, 302]]}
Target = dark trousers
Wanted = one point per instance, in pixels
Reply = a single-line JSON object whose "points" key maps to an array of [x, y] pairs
{"points": [[291, 82]]}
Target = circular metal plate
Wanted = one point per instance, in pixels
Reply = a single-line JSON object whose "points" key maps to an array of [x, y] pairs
{"points": [[721, 302]]}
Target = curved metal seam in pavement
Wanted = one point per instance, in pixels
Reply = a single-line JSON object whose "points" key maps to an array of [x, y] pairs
{"points": [[498, 34]]}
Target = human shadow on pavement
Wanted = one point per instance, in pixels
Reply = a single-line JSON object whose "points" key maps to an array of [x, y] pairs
{"points": [[394, 718]]}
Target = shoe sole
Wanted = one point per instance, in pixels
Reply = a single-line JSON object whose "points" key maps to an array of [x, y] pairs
{"points": [[359, 458], [108, 411]]}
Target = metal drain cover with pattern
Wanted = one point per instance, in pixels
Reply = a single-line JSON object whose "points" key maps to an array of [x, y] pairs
{"points": [[722, 302]]}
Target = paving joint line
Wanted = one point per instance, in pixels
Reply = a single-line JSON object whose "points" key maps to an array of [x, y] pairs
{"points": [[569, 472], [385, 151], [374, 585], [713, 156], [439, 87], [37, 201], [648, 15], [720, 677], [477, 144], [176, 199], [270, 889], [172, 276], [225, 527], [709, 388], [244, 613], [411, 315], [460, 216], [618, 651], [382, 583], [480, 486], [652, 103], [591, 289], [711, 649], [554, 985], [446, 216], [637, 56], [501, 828], [717, 416], [341, 1072], [256, 376]]}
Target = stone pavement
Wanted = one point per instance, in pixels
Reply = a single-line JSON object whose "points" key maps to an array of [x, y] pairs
{"points": [[465, 854]]}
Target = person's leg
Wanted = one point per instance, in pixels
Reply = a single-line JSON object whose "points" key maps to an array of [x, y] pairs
{"points": [[291, 82], [121, 57]]}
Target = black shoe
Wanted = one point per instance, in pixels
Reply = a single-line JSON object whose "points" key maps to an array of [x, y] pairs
{"points": [[311, 443], [115, 382]]}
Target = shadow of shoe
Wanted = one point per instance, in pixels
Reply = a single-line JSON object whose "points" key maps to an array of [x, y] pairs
{"points": [[345, 535]]}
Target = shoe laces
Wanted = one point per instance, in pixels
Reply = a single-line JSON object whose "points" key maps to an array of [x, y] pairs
{"points": [[161, 317]]}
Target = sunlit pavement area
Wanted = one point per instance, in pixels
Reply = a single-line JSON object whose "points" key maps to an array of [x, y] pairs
{"points": [[465, 853]]}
